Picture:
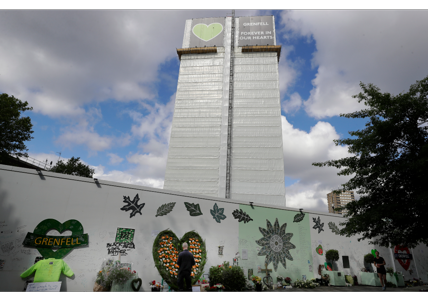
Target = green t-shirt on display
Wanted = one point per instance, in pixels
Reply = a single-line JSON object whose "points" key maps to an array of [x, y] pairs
{"points": [[48, 270]]}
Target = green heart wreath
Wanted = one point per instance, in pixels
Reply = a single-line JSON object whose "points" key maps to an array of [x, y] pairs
{"points": [[139, 283], [166, 248]]}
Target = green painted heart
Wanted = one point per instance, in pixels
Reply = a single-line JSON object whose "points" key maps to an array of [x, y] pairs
{"points": [[46, 225], [374, 252], [207, 33], [166, 249]]}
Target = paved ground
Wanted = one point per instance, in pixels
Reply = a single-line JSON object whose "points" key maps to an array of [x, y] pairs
{"points": [[353, 289]]}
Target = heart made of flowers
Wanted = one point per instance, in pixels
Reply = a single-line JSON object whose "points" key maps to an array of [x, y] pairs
{"points": [[166, 249], [406, 263], [46, 225]]}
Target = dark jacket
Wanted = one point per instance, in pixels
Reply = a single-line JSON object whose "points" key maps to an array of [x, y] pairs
{"points": [[185, 261]]}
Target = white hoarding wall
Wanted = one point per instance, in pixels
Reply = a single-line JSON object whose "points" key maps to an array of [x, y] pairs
{"points": [[26, 199], [355, 250]]}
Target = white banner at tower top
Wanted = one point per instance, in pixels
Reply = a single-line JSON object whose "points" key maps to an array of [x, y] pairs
{"points": [[258, 30]]}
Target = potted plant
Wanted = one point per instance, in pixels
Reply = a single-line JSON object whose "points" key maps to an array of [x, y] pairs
{"points": [[332, 255]]}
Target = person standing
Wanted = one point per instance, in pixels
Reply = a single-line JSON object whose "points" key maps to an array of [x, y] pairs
{"points": [[185, 262], [379, 262]]}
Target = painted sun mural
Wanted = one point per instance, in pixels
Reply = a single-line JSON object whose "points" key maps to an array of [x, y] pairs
{"points": [[275, 244]]}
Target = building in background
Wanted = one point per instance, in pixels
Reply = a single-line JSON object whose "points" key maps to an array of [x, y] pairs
{"points": [[226, 136], [335, 201]]}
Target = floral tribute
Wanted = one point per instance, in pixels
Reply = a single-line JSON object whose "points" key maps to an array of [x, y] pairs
{"points": [[155, 285], [166, 249]]}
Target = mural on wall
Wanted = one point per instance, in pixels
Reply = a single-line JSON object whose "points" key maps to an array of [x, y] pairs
{"points": [[318, 225], [124, 235], [373, 251], [65, 244], [403, 256], [217, 213], [319, 250], [165, 209], [132, 205], [166, 249], [299, 216], [194, 209], [334, 228], [241, 216], [275, 244]]}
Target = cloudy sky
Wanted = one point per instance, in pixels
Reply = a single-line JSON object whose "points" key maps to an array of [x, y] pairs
{"points": [[103, 83]]}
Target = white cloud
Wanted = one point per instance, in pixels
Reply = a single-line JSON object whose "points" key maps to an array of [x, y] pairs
{"points": [[59, 61], [126, 177], [114, 159], [380, 47], [293, 104], [301, 149]]}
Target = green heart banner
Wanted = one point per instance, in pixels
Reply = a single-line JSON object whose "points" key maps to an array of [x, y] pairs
{"points": [[65, 244], [207, 32]]}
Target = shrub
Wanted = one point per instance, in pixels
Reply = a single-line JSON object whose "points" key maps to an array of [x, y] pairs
{"points": [[232, 277], [369, 258], [216, 275], [332, 255]]}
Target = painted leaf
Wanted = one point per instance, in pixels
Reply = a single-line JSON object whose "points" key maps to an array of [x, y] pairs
{"points": [[333, 228], [217, 213], [299, 217], [194, 209], [241, 216], [132, 205], [165, 209]]}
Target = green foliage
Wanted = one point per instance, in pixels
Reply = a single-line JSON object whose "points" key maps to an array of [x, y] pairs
{"points": [[232, 277], [388, 167], [74, 167], [119, 276], [390, 270], [332, 255], [369, 258], [14, 129], [215, 274]]}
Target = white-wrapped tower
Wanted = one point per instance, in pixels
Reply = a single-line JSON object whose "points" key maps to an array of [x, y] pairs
{"points": [[226, 137]]}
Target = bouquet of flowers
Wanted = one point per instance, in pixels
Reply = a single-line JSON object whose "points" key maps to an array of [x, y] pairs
{"points": [[279, 278], [287, 281], [308, 284], [155, 285], [203, 281], [216, 287], [256, 279]]}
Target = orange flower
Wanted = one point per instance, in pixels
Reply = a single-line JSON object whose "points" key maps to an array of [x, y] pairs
{"points": [[192, 274], [175, 274], [197, 265], [172, 273], [194, 266], [197, 240]]}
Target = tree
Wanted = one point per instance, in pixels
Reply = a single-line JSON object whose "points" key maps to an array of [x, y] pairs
{"points": [[14, 129], [389, 165], [74, 167]]}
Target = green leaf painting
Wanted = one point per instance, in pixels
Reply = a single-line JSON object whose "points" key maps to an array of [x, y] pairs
{"points": [[241, 216], [217, 213], [165, 209], [194, 209], [333, 228], [299, 217]]}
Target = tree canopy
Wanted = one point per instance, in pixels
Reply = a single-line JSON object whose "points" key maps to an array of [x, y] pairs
{"points": [[389, 165], [74, 167], [14, 129]]}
